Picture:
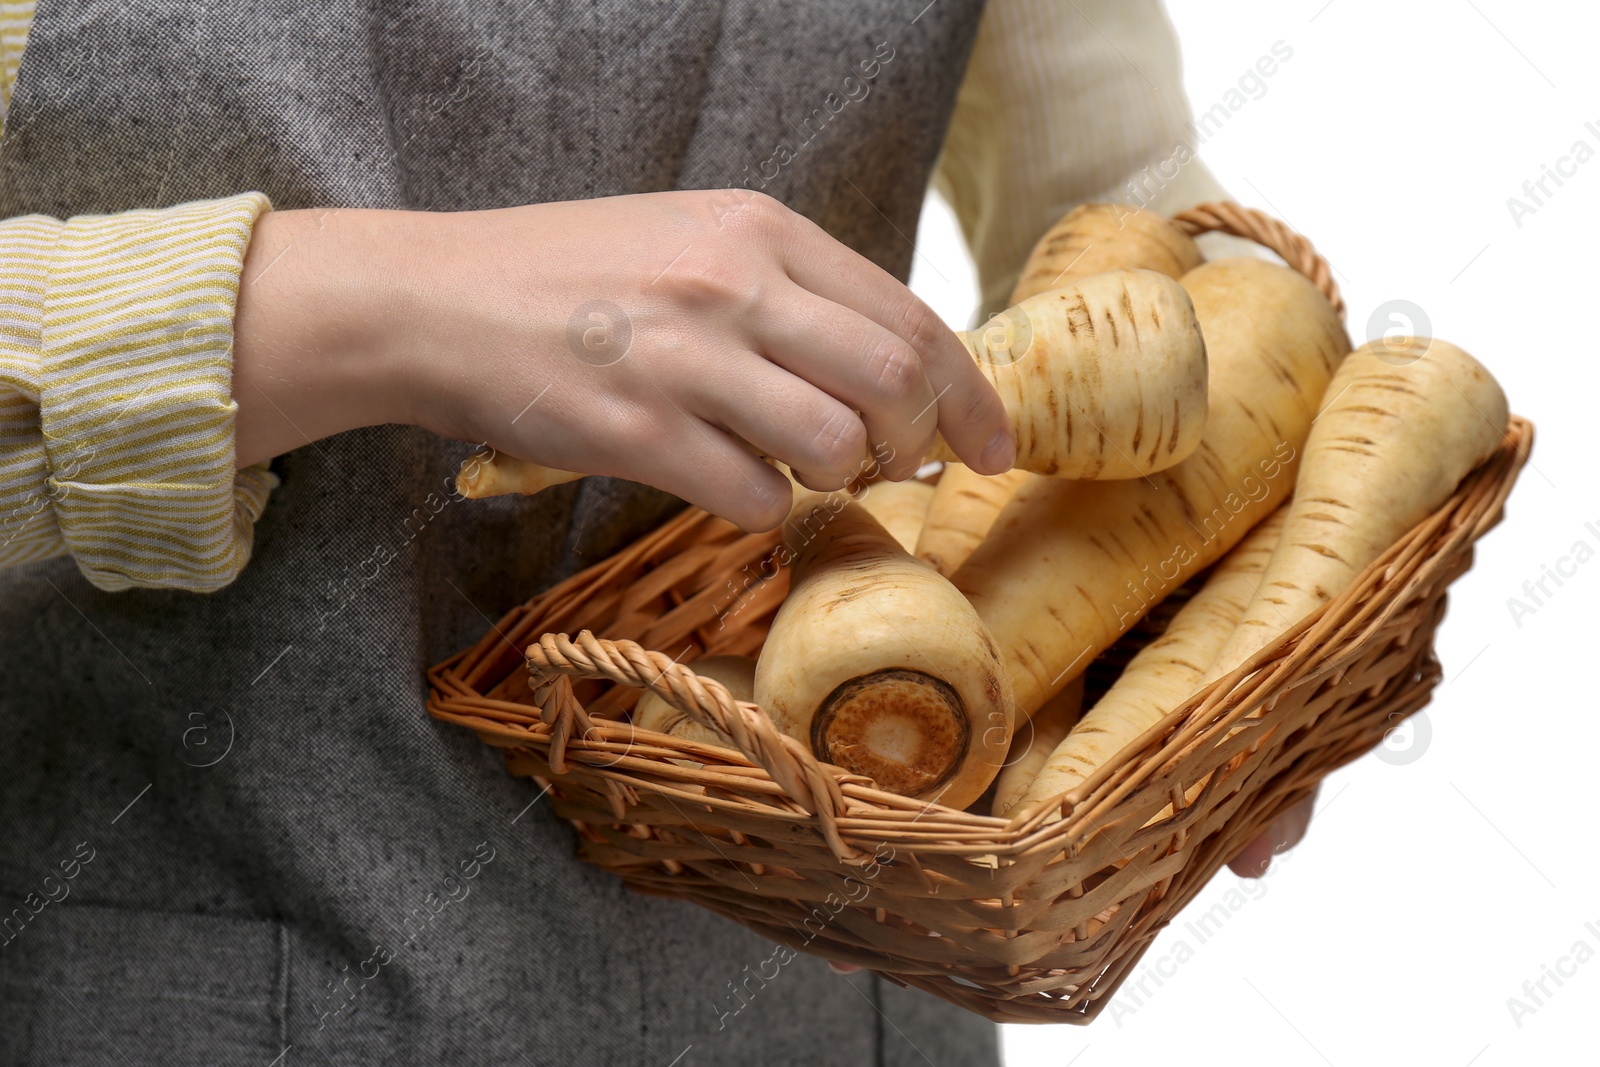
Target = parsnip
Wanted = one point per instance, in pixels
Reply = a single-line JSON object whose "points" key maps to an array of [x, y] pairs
{"points": [[1164, 673], [737, 675], [1033, 744], [1088, 240], [900, 507], [1099, 237], [964, 506], [1404, 422], [879, 664], [1070, 565], [1102, 378]]}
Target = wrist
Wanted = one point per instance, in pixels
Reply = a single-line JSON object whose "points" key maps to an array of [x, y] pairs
{"points": [[311, 358]]}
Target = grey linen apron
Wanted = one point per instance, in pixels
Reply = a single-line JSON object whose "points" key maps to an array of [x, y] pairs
{"points": [[231, 834]]}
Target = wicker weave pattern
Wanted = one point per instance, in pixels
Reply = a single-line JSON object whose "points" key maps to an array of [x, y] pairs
{"points": [[1035, 918]]}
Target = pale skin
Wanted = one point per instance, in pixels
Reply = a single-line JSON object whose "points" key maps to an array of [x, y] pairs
{"points": [[752, 331]]}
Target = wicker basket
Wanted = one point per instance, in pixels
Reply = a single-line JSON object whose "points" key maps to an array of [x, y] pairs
{"points": [[1026, 919]]}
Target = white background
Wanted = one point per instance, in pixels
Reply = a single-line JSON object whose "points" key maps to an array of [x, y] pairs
{"points": [[1427, 892]]}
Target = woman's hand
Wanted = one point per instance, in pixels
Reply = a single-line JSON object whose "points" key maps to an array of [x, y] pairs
{"points": [[659, 337]]}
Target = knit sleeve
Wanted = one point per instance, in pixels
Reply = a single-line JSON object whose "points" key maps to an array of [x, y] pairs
{"points": [[116, 413], [1063, 105]]}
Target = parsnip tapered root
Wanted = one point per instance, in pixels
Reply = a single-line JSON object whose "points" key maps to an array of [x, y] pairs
{"points": [[1070, 565], [879, 664], [1033, 744], [737, 675], [1093, 238], [1164, 673], [500, 475], [1404, 422], [1104, 377], [964, 506], [901, 508]]}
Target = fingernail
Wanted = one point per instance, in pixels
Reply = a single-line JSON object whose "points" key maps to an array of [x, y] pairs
{"points": [[999, 453]]}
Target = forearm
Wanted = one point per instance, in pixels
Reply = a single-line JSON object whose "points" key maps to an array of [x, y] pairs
{"points": [[318, 290]]}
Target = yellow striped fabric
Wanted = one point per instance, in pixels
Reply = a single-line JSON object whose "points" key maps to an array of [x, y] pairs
{"points": [[136, 405], [116, 352], [15, 21]]}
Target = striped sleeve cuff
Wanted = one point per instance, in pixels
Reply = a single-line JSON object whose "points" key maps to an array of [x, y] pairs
{"points": [[135, 395], [28, 529]]}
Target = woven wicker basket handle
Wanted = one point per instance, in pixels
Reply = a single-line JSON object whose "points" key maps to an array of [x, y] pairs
{"points": [[787, 760], [1224, 216]]}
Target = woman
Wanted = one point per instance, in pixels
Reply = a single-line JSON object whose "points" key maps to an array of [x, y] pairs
{"points": [[356, 244]]}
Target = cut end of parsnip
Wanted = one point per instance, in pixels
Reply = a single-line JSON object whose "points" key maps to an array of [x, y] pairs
{"points": [[905, 729]]}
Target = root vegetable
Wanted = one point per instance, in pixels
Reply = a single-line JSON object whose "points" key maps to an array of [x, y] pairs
{"points": [[1404, 422], [900, 507], [1033, 744], [1090, 239], [1104, 377], [1100, 237], [1164, 673], [879, 664], [501, 475], [1070, 565], [737, 675], [964, 506]]}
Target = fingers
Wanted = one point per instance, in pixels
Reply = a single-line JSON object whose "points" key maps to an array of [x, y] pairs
{"points": [[969, 412], [711, 470], [1286, 831], [868, 368], [822, 440]]}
